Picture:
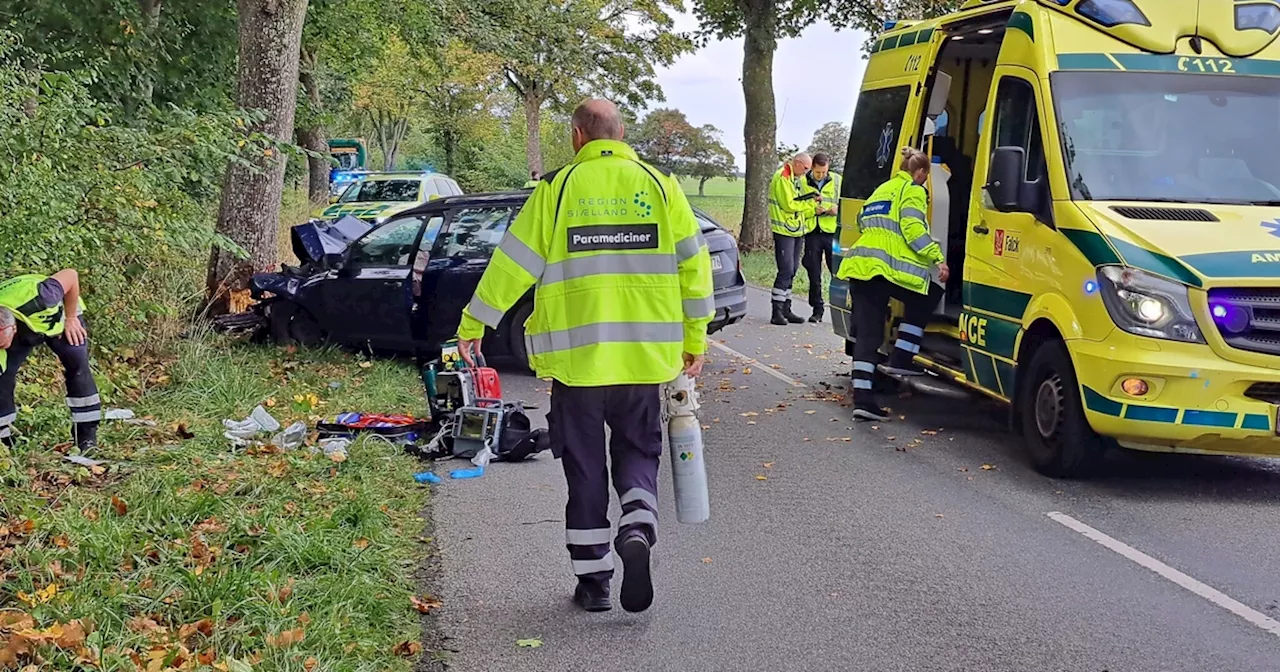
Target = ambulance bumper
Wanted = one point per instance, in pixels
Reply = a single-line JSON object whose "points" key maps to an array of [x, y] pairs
{"points": [[1196, 402]]}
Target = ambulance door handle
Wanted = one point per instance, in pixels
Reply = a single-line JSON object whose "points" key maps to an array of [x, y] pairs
{"points": [[981, 229]]}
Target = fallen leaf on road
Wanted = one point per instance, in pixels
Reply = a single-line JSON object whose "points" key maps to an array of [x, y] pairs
{"points": [[846, 439], [806, 439], [891, 438], [768, 465], [530, 643], [810, 412], [902, 417], [875, 427], [929, 432], [706, 561], [774, 366], [119, 505], [988, 467], [963, 469], [749, 414], [761, 477], [407, 649], [937, 515], [425, 605], [747, 370], [751, 422]]}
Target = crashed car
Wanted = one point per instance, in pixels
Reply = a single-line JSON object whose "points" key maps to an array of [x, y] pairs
{"points": [[402, 285]]}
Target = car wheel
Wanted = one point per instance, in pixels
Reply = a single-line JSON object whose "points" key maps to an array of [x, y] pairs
{"points": [[279, 318], [516, 343], [1058, 439], [305, 329]]}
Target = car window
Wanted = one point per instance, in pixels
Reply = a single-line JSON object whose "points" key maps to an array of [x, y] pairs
{"points": [[873, 155], [474, 233], [455, 190], [1018, 124], [369, 191], [388, 245]]}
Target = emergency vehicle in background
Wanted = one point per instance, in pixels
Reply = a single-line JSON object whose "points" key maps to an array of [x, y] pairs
{"points": [[1115, 247]]}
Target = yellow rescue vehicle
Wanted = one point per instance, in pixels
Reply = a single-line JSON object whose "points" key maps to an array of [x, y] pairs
{"points": [[1106, 189]]}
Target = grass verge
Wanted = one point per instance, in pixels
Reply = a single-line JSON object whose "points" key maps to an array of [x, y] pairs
{"points": [[184, 553], [760, 269]]}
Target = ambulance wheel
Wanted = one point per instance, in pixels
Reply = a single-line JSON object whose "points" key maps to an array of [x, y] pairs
{"points": [[516, 335], [1059, 441]]}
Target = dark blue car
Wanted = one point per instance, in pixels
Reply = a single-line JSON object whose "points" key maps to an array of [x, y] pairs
{"points": [[402, 285]]}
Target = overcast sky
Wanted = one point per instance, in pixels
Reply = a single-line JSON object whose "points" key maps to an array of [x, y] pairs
{"points": [[815, 80]]}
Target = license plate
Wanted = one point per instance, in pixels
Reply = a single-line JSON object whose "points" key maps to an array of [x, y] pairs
{"points": [[717, 264]]}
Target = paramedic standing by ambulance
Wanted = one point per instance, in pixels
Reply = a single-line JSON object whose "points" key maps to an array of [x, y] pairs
{"points": [[892, 258], [789, 218], [817, 242], [622, 301]]}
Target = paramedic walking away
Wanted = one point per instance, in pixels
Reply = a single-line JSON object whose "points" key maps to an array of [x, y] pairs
{"points": [[817, 242], [622, 301], [40, 310], [892, 258], [790, 218]]}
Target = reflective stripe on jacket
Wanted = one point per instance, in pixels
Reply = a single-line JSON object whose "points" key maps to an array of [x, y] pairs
{"points": [[894, 241], [787, 216], [622, 273], [830, 195]]}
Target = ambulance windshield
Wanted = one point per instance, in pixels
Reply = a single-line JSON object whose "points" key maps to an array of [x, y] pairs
{"points": [[1141, 136]]}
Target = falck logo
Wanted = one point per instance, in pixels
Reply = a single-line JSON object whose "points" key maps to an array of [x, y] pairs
{"points": [[886, 145]]}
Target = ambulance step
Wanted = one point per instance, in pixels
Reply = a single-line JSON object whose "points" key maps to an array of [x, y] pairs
{"points": [[930, 384]]}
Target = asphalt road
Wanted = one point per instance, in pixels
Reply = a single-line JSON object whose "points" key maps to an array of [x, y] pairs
{"points": [[875, 547]]}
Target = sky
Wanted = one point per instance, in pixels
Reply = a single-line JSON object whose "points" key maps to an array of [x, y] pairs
{"points": [[815, 80]]}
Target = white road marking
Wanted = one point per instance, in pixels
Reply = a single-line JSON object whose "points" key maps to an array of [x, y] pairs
{"points": [[1203, 590], [769, 370]]}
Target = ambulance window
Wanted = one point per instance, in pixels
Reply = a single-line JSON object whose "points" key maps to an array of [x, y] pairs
{"points": [[1018, 123], [873, 140]]}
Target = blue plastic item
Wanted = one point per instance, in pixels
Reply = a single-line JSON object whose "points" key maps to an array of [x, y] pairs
{"points": [[426, 477], [474, 472]]}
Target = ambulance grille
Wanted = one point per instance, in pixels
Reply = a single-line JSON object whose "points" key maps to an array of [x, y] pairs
{"points": [[1165, 214], [1268, 392], [1262, 306]]}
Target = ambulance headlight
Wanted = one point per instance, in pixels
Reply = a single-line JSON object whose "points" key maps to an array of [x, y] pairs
{"points": [[1148, 305]]}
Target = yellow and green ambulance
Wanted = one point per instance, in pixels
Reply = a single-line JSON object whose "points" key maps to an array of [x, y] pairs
{"points": [[375, 197], [1110, 210]]}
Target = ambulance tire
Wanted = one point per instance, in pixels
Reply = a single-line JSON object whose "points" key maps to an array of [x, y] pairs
{"points": [[515, 333], [1058, 439]]}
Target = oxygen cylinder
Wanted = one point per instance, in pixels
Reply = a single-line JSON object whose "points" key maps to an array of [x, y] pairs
{"points": [[684, 436]]}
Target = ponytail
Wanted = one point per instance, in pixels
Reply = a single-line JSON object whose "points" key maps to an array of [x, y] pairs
{"points": [[913, 160]]}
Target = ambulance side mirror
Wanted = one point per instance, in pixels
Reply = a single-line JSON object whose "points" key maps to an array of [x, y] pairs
{"points": [[1004, 182]]}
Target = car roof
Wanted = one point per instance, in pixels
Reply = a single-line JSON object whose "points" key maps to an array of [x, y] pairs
{"points": [[415, 175], [499, 199]]}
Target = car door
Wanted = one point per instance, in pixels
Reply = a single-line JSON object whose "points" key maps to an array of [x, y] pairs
{"points": [[370, 299], [459, 257], [1000, 245]]}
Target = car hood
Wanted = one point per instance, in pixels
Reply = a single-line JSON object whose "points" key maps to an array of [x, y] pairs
{"points": [[370, 210], [1243, 242], [323, 241]]}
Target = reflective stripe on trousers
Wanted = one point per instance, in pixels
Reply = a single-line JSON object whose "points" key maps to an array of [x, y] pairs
{"points": [[606, 332], [862, 375]]}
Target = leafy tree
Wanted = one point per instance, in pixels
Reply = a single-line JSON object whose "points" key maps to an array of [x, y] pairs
{"points": [[665, 138], [833, 140], [267, 81], [709, 158], [389, 94], [557, 51], [786, 152], [460, 98]]}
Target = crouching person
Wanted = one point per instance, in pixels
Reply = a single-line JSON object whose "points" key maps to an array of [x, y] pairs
{"points": [[33, 312]]}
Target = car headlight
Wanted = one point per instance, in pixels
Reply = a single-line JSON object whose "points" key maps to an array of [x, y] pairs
{"points": [[1148, 305]]}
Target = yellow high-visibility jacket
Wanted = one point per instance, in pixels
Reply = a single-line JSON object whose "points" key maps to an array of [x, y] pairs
{"points": [[622, 273], [895, 242]]}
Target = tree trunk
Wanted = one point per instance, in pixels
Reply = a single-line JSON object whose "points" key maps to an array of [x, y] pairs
{"points": [[533, 125], [702, 186], [450, 146], [312, 136], [267, 80], [760, 129], [313, 139]]}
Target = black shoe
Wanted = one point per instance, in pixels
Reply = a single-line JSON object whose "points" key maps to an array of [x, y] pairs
{"points": [[778, 318], [791, 317], [869, 411], [817, 316], [85, 436], [592, 595], [637, 584]]}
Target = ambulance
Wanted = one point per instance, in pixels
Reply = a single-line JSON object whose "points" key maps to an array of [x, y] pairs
{"points": [[1106, 188]]}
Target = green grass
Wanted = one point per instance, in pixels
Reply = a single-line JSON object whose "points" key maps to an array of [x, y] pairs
{"points": [[723, 200], [188, 547], [760, 270]]}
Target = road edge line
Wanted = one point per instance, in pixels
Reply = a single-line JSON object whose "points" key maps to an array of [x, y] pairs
{"points": [[766, 369], [1217, 597]]}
